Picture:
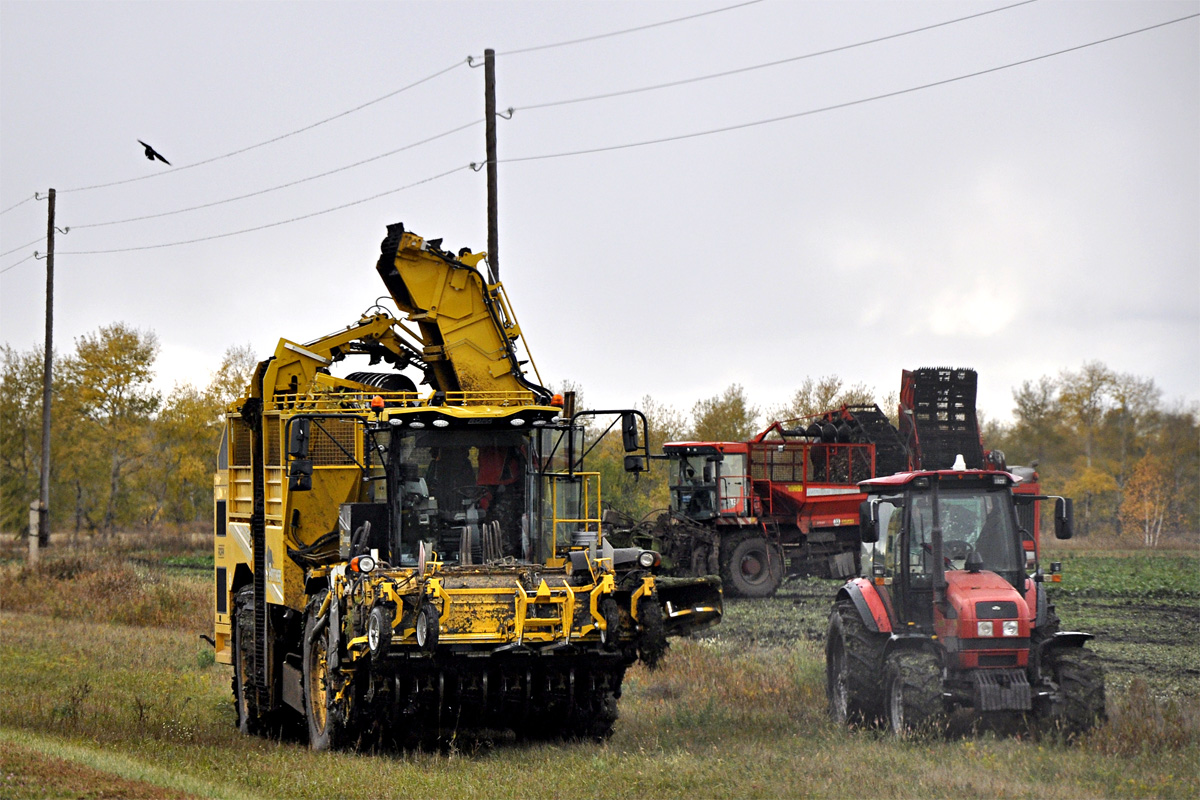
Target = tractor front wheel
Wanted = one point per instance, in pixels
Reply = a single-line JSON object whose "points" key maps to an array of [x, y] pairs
{"points": [[1080, 703], [914, 692]]}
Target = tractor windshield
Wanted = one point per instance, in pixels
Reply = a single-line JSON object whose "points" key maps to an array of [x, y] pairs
{"points": [[693, 486], [972, 520]]}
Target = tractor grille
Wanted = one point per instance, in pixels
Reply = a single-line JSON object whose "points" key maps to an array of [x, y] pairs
{"points": [[1004, 609]]}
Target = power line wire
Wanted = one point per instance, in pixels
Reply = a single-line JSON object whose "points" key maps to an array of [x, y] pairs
{"points": [[626, 30], [776, 63], [279, 138], [19, 263], [281, 186], [22, 247], [268, 225], [846, 104], [18, 205]]}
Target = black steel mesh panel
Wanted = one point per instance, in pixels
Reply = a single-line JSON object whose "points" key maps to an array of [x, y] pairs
{"points": [[242, 443], [272, 431], [332, 442]]}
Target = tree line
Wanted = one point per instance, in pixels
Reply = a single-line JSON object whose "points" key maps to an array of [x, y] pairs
{"points": [[121, 453], [125, 455]]}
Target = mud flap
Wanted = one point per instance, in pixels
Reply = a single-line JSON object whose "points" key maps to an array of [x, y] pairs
{"points": [[1001, 690], [842, 566], [689, 604]]}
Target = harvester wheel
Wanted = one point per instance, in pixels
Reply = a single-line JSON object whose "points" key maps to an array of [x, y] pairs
{"points": [[379, 632], [247, 718], [610, 634], [427, 627], [652, 640], [1080, 679], [914, 692], [326, 726], [753, 568], [853, 657]]}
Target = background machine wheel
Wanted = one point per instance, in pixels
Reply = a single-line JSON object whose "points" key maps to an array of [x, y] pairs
{"points": [[753, 567]]}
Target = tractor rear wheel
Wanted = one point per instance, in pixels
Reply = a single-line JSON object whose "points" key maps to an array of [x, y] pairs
{"points": [[914, 692], [853, 656], [753, 568], [1080, 679], [326, 725]]}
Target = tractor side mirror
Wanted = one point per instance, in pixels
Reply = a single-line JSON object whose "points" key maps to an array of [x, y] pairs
{"points": [[1064, 518], [635, 464], [298, 438], [300, 475], [629, 432], [708, 473], [868, 521]]}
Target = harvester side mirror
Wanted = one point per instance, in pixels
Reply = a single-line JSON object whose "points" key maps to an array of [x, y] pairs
{"points": [[708, 473], [629, 432], [300, 475], [868, 522], [635, 464], [298, 438], [1064, 518]]}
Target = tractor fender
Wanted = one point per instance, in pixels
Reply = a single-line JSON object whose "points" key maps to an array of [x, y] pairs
{"points": [[912, 641], [869, 604], [1067, 639]]}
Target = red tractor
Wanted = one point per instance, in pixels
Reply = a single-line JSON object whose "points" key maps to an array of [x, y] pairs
{"points": [[952, 611]]}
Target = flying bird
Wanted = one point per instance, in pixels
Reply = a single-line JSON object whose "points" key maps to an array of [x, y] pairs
{"points": [[152, 154]]}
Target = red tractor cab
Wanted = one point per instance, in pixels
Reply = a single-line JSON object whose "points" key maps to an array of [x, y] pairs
{"points": [[951, 610]]}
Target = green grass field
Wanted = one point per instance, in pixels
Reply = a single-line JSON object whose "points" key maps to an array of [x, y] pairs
{"points": [[106, 690]]}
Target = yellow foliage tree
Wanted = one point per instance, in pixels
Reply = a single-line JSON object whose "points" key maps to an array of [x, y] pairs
{"points": [[1146, 506]]}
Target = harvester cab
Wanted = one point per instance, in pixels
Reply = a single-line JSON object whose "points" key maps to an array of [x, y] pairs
{"points": [[951, 611]]}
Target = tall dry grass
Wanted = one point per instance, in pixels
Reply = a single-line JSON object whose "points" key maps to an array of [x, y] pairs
{"points": [[104, 586]]}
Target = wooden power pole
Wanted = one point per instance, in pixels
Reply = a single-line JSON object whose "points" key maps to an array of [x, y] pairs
{"points": [[39, 516], [489, 111]]}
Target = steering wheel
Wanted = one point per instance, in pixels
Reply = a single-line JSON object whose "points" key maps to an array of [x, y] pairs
{"points": [[472, 493], [956, 549]]}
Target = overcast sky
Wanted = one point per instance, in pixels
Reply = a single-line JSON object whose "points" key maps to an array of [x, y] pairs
{"points": [[1020, 222]]}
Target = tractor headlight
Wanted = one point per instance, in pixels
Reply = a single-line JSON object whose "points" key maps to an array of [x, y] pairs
{"points": [[1011, 627], [362, 564], [647, 559], [985, 627]]}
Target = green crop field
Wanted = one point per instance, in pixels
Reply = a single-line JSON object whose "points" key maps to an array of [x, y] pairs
{"points": [[107, 690]]}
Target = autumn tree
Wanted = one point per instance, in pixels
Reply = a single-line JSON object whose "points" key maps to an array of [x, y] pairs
{"points": [[726, 417], [1146, 506], [232, 377], [824, 394], [107, 388], [20, 446]]}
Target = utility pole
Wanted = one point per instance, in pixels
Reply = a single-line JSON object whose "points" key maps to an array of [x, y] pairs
{"points": [[39, 513], [489, 111]]}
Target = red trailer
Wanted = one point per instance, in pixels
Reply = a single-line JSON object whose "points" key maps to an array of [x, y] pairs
{"points": [[787, 501]]}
